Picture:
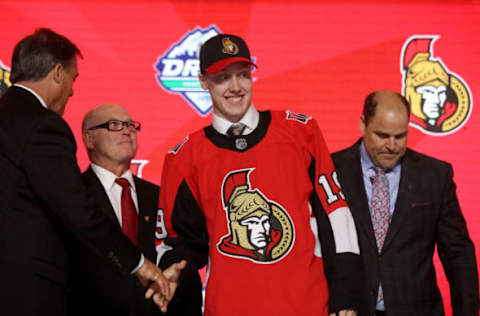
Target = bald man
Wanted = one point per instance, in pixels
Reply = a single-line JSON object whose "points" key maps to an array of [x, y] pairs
{"points": [[110, 137], [404, 205]]}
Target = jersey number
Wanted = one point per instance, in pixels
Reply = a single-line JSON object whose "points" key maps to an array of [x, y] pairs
{"points": [[331, 197], [161, 230]]}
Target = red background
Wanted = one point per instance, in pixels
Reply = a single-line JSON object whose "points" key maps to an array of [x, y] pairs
{"points": [[320, 58]]}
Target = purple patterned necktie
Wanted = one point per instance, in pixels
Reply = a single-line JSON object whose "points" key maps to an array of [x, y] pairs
{"points": [[380, 212]]}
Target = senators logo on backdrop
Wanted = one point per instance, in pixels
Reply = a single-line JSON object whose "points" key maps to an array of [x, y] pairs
{"points": [[4, 78], [260, 230], [440, 100]]}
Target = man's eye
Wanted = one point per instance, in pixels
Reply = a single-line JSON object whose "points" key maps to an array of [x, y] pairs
{"points": [[115, 124]]}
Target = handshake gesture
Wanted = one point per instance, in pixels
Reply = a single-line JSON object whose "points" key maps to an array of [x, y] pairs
{"points": [[160, 285]]}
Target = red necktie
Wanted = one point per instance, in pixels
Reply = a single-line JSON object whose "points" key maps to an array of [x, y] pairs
{"points": [[129, 212], [380, 212]]}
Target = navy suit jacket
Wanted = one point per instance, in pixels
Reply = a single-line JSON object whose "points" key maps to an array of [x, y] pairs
{"points": [[426, 215], [96, 289], [43, 204]]}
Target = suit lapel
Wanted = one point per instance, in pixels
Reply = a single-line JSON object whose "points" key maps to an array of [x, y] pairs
{"points": [[352, 181], [147, 204], [404, 198], [95, 188]]}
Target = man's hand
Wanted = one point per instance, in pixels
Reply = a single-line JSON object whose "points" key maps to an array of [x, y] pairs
{"points": [[345, 312], [149, 274], [172, 274]]}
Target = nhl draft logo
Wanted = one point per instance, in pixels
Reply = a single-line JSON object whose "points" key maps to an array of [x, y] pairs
{"points": [[4, 78], [260, 230], [177, 69], [440, 100]]}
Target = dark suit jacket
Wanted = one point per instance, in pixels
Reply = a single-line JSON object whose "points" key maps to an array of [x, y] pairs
{"points": [[42, 204], [97, 289], [427, 214]]}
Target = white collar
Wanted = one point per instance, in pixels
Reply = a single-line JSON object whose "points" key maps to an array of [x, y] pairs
{"points": [[32, 92], [107, 178], [250, 119]]}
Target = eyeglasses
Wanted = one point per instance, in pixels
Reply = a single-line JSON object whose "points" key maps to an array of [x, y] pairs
{"points": [[117, 125]]}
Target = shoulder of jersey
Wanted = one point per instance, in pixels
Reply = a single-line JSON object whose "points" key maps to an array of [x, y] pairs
{"points": [[293, 120], [187, 142]]}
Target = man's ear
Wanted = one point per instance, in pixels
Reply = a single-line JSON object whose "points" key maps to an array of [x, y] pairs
{"points": [[203, 81], [58, 73], [362, 124], [88, 140]]}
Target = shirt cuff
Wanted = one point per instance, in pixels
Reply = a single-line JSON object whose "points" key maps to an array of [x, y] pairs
{"points": [[140, 263]]}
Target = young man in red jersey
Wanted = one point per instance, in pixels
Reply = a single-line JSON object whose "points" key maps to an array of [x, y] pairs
{"points": [[254, 195]]}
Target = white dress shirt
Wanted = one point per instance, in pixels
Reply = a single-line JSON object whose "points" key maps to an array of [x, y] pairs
{"points": [[250, 119], [32, 92], [114, 190]]}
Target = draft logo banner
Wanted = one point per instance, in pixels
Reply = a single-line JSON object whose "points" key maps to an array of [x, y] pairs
{"points": [[440, 100], [177, 69]]}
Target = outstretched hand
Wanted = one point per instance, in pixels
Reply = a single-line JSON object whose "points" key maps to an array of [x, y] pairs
{"points": [[172, 274], [158, 286]]}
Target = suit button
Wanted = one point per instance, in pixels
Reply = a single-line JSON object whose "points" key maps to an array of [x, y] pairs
{"points": [[380, 259], [373, 293]]}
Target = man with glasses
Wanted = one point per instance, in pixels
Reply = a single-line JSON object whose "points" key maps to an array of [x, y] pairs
{"points": [[110, 137]]}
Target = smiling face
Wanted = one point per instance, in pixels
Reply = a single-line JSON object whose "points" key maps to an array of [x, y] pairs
{"points": [[385, 135], [112, 150], [230, 90]]}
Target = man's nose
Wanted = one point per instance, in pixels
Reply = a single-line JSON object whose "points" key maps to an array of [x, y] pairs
{"points": [[391, 143], [235, 84]]}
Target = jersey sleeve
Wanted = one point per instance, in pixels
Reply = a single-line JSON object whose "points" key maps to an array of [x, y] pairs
{"points": [[181, 229], [337, 231], [331, 196]]}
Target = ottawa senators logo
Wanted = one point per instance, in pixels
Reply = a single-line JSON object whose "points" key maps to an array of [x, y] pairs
{"points": [[229, 47], [440, 100], [260, 230], [4, 78]]}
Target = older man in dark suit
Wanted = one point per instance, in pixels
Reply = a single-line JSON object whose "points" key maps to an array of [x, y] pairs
{"points": [[404, 204], [42, 199], [110, 137]]}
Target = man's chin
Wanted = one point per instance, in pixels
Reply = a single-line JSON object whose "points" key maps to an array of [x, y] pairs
{"points": [[388, 164]]}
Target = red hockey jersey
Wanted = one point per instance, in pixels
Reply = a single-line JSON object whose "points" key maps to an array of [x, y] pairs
{"points": [[250, 207]]}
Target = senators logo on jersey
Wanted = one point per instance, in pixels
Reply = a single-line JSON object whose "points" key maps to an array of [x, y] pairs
{"points": [[259, 229], [440, 100]]}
